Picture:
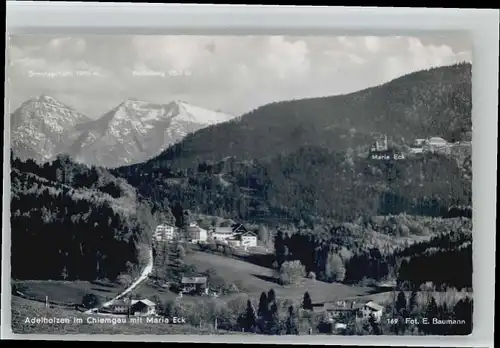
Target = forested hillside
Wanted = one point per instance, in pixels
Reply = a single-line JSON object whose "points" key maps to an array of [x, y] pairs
{"points": [[308, 184], [435, 102], [69, 221], [370, 250]]}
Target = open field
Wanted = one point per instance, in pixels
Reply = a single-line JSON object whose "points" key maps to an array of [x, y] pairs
{"points": [[253, 280], [22, 309], [70, 292]]}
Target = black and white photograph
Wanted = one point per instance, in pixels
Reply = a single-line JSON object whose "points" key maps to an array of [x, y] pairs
{"points": [[241, 185]]}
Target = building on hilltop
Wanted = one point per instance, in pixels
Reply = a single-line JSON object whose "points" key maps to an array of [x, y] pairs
{"points": [[380, 144], [436, 144], [417, 146]]}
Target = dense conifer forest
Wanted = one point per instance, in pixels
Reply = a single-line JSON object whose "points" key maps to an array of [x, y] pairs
{"points": [[71, 222], [309, 184]]}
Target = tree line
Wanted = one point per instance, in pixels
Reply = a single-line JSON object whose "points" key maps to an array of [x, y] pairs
{"points": [[445, 259]]}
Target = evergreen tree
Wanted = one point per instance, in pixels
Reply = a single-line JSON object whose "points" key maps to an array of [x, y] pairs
{"points": [[273, 324], [279, 247], [250, 318], [412, 303], [271, 296], [291, 322], [463, 311], [401, 304], [432, 308], [431, 312], [263, 305], [307, 302]]}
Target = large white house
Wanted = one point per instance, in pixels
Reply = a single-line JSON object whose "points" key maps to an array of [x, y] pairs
{"points": [[196, 234], [164, 233]]}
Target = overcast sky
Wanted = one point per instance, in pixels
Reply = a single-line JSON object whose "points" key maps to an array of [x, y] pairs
{"points": [[229, 73]]}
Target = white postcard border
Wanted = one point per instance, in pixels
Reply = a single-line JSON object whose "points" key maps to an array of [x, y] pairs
{"points": [[122, 18]]}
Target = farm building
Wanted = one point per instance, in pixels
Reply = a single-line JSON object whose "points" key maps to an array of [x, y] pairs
{"points": [[194, 285], [341, 311], [118, 307], [143, 307], [196, 233], [371, 308]]}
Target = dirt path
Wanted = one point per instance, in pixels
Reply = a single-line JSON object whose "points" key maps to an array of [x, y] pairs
{"points": [[143, 276]]}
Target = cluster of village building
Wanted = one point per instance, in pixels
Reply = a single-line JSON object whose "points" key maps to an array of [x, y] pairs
{"points": [[432, 144], [338, 313], [236, 235]]}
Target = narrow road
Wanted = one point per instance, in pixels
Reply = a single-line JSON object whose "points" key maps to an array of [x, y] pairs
{"points": [[144, 275]]}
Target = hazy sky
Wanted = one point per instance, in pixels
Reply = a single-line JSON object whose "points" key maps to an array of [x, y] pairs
{"points": [[230, 73]]}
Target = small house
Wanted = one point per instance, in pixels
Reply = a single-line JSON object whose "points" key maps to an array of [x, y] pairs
{"points": [[194, 285], [371, 309], [120, 306], [341, 310], [143, 307], [249, 239], [419, 142]]}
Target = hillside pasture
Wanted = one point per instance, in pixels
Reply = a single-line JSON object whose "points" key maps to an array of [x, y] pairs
{"points": [[67, 292], [253, 280]]}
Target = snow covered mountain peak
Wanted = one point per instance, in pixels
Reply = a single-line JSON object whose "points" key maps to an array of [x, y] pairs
{"points": [[132, 132], [192, 113], [136, 131], [42, 126]]}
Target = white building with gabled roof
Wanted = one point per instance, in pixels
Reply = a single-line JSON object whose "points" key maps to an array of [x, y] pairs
{"points": [[372, 309]]}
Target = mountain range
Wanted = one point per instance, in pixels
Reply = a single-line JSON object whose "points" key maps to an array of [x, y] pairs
{"points": [[434, 102], [132, 132]]}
